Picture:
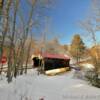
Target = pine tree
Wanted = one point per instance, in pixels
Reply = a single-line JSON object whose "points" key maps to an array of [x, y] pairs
{"points": [[77, 47]]}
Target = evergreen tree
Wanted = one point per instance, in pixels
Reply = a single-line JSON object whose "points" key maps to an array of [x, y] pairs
{"points": [[77, 47]]}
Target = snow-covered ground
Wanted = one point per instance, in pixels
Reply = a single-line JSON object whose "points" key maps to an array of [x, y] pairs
{"points": [[59, 87]]}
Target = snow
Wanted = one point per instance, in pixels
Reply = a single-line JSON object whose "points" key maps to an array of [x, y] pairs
{"points": [[59, 87], [87, 65]]}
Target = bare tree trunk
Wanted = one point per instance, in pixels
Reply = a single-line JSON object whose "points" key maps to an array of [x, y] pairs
{"points": [[16, 59], [1, 8], [90, 29], [28, 55], [11, 53], [5, 25], [25, 35]]}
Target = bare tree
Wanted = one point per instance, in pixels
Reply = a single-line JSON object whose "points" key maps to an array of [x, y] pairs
{"points": [[28, 54], [17, 29], [5, 24], [25, 35], [92, 26], [11, 47]]}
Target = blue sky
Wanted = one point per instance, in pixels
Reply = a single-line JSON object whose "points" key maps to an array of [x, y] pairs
{"points": [[65, 18]]}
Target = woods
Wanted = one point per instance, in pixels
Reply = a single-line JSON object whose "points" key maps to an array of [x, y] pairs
{"points": [[16, 29]]}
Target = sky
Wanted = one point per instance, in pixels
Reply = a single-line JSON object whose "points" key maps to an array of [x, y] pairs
{"points": [[65, 17]]}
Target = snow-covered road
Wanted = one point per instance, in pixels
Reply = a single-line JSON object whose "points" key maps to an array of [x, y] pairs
{"points": [[59, 87]]}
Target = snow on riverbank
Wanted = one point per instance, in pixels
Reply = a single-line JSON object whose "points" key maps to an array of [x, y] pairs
{"points": [[59, 87]]}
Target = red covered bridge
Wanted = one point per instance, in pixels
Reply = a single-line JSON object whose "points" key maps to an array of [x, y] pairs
{"points": [[52, 63]]}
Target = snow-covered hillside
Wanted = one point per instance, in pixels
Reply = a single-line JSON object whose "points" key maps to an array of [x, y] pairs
{"points": [[59, 87]]}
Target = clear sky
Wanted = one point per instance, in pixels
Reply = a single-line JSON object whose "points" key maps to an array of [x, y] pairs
{"points": [[66, 16]]}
